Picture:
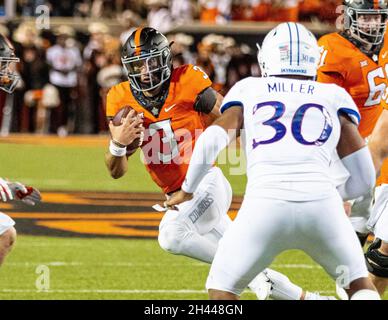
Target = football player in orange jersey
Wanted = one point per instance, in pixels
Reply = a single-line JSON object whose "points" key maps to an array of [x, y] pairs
{"points": [[10, 190], [357, 59], [177, 105], [377, 255]]}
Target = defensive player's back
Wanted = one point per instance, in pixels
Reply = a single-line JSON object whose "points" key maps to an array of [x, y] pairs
{"points": [[292, 130]]}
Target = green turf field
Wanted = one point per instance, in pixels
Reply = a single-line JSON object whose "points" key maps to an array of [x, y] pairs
{"points": [[81, 168], [104, 268], [123, 269]]}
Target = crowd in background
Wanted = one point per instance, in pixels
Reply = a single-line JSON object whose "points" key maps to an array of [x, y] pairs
{"points": [[162, 14], [66, 73]]}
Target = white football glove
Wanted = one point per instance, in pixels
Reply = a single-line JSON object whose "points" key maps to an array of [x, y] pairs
{"points": [[18, 191], [5, 191]]}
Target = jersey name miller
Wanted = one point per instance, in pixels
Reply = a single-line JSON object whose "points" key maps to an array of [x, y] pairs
{"points": [[291, 88]]}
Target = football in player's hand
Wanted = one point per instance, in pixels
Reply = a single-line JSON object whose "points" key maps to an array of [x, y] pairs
{"points": [[118, 119]]}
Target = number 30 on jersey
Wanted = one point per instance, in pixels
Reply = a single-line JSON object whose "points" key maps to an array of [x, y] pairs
{"points": [[296, 124]]}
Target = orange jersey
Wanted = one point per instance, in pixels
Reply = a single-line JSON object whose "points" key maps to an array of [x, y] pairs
{"points": [[364, 79], [170, 137]]}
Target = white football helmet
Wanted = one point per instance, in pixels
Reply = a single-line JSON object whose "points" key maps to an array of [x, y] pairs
{"points": [[289, 49]]}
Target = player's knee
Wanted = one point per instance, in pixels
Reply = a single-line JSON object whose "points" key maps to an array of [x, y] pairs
{"points": [[365, 294], [171, 237], [7, 239], [376, 262]]}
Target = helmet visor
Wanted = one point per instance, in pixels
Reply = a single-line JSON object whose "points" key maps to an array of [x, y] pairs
{"points": [[369, 26], [148, 71]]}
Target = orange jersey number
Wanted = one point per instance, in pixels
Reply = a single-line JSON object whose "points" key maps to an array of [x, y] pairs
{"points": [[168, 139], [377, 91]]}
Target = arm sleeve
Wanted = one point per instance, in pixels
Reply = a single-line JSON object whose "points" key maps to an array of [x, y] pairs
{"points": [[207, 148], [362, 174], [194, 81], [205, 101]]}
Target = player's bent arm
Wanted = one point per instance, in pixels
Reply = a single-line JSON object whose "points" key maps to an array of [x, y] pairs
{"points": [[378, 142], [117, 166], [122, 136], [209, 102], [209, 144], [207, 148], [350, 140], [357, 159]]}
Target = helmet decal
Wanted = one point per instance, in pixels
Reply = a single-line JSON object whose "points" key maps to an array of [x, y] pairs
{"points": [[289, 49], [137, 41]]}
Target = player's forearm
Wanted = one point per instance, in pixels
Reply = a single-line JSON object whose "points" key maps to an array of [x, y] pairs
{"points": [[378, 142], [208, 146], [378, 156], [117, 166]]}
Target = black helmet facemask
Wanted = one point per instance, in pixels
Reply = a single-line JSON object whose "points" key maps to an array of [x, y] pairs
{"points": [[368, 33], [148, 71]]}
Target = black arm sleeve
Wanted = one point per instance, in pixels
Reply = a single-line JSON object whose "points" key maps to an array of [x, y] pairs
{"points": [[206, 100]]}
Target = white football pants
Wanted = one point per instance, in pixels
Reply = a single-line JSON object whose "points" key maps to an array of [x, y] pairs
{"points": [[195, 229], [5, 223], [266, 227]]}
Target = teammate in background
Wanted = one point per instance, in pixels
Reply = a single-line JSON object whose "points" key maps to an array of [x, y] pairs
{"points": [[377, 254], [175, 104], [10, 190], [293, 126], [357, 60]]}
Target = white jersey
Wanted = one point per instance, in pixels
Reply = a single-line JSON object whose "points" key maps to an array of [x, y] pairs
{"points": [[292, 129]]}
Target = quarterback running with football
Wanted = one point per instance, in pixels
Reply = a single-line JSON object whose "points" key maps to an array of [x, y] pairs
{"points": [[176, 105], [293, 127], [10, 190], [357, 60]]}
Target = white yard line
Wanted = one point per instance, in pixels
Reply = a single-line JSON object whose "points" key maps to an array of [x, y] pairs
{"points": [[102, 291], [49, 182], [131, 264], [296, 266], [104, 264], [134, 291]]}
